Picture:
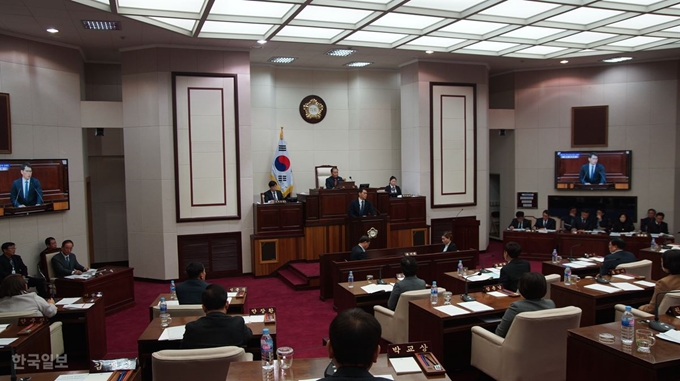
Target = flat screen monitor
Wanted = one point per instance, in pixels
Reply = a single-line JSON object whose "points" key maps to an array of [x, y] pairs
{"points": [[33, 186], [588, 170]]}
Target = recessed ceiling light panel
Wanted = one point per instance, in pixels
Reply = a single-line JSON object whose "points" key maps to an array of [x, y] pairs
{"points": [[101, 25], [340, 52], [282, 60], [52, 30], [617, 59], [358, 64]]}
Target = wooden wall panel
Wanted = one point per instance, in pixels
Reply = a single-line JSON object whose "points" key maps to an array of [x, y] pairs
{"points": [[287, 249], [323, 239]]}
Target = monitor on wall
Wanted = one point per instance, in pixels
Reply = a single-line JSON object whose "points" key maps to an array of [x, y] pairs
{"points": [[593, 170], [33, 186]]}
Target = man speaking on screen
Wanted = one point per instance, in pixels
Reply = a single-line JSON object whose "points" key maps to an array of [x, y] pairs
{"points": [[26, 191], [592, 173]]}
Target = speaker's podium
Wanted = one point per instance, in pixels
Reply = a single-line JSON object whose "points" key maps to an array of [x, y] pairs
{"points": [[375, 227]]}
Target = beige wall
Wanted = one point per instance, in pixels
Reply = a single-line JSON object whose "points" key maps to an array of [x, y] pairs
{"points": [[44, 83]]}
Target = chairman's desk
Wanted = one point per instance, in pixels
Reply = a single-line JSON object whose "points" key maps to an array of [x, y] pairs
{"points": [[432, 264], [450, 336], [305, 369], [115, 283], [588, 359], [539, 246], [148, 342], [236, 305], [597, 306]]}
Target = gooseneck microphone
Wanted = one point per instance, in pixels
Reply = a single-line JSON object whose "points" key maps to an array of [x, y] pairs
{"points": [[459, 212], [465, 297], [571, 252], [380, 279], [656, 324]]}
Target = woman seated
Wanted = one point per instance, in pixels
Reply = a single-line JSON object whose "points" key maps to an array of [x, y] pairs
{"points": [[623, 224], [14, 297], [533, 287], [392, 188], [670, 263]]}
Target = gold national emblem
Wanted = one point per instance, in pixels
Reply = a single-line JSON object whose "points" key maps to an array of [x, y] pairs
{"points": [[313, 109]]}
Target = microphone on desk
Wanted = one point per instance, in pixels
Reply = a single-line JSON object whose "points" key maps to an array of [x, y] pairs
{"points": [[656, 324], [466, 297], [380, 279], [571, 252]]}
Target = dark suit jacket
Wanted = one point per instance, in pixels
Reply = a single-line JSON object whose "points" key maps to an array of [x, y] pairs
{"points": [[350, 373], [526, 224], [357, 253], [330, 182], [518, 307], [6, 267], [410, 283], [216, 330], [619, 227], [645, 222], [452, 247], [605, 223], [190, 291], [34, 193], [614, 259], [354, 209], [569, 221], [599, 176], [388, 189], [62, 268], [511, 273], [655, 229], [268, 196], [588, 225], [549, 225]]}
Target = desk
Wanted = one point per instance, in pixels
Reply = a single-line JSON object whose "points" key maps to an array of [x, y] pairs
{"points": [[35, 343], [548, 267], [84, 333], [456, 284], [346, 298], [586, 356], [118, 288], [449, 336], [303, 369], [236, 307], [655, 257], [51, 376], [148, 342], [597, 306]]}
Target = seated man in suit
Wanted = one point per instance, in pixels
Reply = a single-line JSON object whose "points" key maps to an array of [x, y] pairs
{"points": [[273, 194], [26, 191], [393, 189], [359, 251], [546, 222], [411, 282], [645, 222], [361, 207], [532, 286], [570, 219], [191, 290], [584, 222], [592, 173], [658, 226], [216, 328], [334, 180], [354, 345], [601, 220], [519, 222], [448, 245], [50, 246], [515, 268], [65, 263], [616, 257], [10, 263]]}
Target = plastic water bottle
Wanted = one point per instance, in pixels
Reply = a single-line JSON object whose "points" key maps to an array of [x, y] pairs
{"points": [[267, 351], [350, 280], [627, 327], [164, 315], [173, 291], [554, 256], [567, 276], [654, 246], [434, 293], [460, 267]]}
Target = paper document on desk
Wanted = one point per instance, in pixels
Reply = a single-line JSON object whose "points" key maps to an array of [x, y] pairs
{"points": [[173, 333], [79, 306], [403, 365], [673, 335], [257, 318], [3, 327], [72, 377], [626, 286], [98, 376], [66, 301], [7, 340], [475, 306], [477, 278], [170, 303], [372, 288], [496, 294], [451, 310], [578, 264], [231, 294], [623, 276], [645, 283], [81, 276], [387, 376], [603, 288], [597, 259]]}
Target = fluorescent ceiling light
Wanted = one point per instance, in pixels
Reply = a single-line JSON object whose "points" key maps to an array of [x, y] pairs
{"points": [[532, 32], [490, 46], [472, 27], [282, 60], [518, 9], [358, 64], [617, 59], [340, 52], [332, 14], [378, 37], [643, 22], [261, 42], [636, 41], [440, 42], [400, 20], [52, 30], [193, 6], [584, 16], [180, 23], [250, 8], [449, 6], [374, 1], [308, 32], [539, 50], [100, 25], [635, 2], [429, 51], [234, 28], [564, 62], [586, 37]]}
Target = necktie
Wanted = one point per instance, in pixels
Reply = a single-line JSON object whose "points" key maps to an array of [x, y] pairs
{"points": [[274, 194], [336, 181], [68, 260], [583, 221], [592, 171], [362, 207], [11, 262], [25, 189], [545, 223]]}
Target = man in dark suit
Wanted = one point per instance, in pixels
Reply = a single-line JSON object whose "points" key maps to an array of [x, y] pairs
{"points": [[26, 191], [546, 222], [584, 222], [191, 290], [519, 222], [602, 222], [65, 263], [448, 245], [645, 222], [393, 189], [658, 226], [592, 173], [515, 268], [50, 246], [273, 194], [216, 328], [359, 251], [10, 263], [361, 207], [334, 180], [411, 282], [617, 256], [569, 221]]}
